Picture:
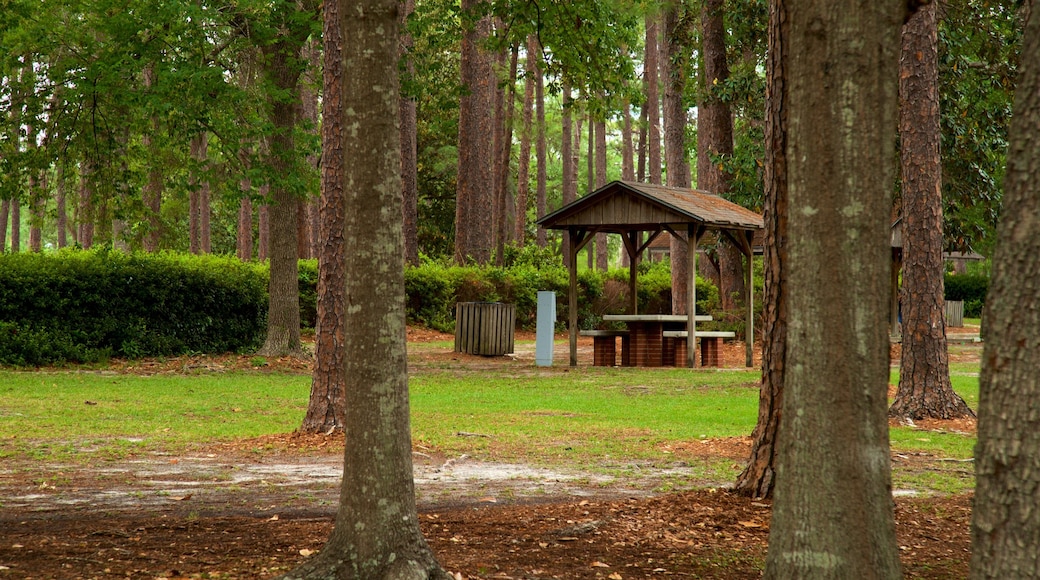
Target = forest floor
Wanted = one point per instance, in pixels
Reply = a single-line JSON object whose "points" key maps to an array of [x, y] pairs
{"points": [[251, 509]]}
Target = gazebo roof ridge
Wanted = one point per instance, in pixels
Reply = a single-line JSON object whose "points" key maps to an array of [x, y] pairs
{"points": [[621, 206]]}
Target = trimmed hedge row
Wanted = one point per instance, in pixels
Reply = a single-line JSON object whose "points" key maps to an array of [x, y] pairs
{"points": [[87, 306], [971, 288]]}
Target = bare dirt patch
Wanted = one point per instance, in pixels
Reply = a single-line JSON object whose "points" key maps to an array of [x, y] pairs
{"points": [[250, 509]]}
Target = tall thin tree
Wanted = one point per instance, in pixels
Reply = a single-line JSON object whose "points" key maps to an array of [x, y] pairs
{"points": [[924, 371], [833, 512], [376, 534], [1005, 525], [758, 477]]}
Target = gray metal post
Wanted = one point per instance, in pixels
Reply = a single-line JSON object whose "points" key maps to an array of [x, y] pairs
{"points": [[545, 330]]}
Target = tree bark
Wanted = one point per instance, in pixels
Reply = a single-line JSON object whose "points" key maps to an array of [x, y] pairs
{"points": [[504, 154], [758, 478], [924, 371], [523, 178], [376, 534], [570, 169], [326, 407], [283, 70], [62, 218], [409, 150], [1005, 518], [198, 199], [5, 214], [602, 255], [714, 139], [244, 234], [473, 204], [541, 169], [263, 225], [653, 115], [673, 66], [833, 510]]}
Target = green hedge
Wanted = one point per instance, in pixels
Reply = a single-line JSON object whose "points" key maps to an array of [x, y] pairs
{"points": [[81, 306], [971, 288]]}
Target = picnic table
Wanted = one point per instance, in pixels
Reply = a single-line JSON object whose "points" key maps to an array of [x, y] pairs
{"points": [[646, 345]]}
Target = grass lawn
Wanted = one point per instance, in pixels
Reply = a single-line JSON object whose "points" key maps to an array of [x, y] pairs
{"points": [[578, 418]]}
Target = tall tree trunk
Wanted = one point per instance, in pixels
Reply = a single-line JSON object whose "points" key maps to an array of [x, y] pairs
{"points": [[62, 218], [503, 151], [306, 242], [523, 179], [5, 213], [1005, 518], [590, 184], [244, 236], [303, 233], [758, 478], [652, 80], [602, 256], [541, 167], [714, 139], [326, 408], [85, 208], [199, 191], [473, 203], [409, 150], [641, 146], [283, 313], [263, 226], [627, 161], [376, 534], [924, 371], [833, 511], [674, 69], [570, 170], [16, 226]]}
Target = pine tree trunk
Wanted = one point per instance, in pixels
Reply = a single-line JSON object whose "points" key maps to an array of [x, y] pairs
{"points": [[590, 184], [473, 204], [652, 80], [263, 226], [409, 150], [1005, 518], [673, 67], [5, 213], [283, 70], [833, 510], [198, 154], [714, 139], [523, 179], [627, 160], [758, 478], [924, 371], [16, 226], [541, 167], [376, 534], [326, 407], [244, 234], [62, 218], [570, 181], [602, 255]]}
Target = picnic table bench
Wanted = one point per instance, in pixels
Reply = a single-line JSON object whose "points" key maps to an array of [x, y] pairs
{"points": [[711, 340], [604, 347]]}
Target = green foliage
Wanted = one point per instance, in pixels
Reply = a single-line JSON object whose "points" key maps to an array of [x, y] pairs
{"points": [[308, 285], [86, 306], [969, 288]]}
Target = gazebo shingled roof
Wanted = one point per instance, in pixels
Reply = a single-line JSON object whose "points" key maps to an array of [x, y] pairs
{"points": [[628, 208]]}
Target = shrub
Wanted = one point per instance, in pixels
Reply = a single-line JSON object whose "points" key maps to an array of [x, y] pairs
{"points": [[76, 306], [971, 288]]}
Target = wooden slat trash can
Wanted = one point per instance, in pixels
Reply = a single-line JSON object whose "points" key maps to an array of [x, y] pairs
{"points": [[484, 328], [955, 313]]}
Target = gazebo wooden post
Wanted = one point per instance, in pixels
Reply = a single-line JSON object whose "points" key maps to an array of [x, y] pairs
{"points": [[632, 247], [572, 298], [693, 233]]}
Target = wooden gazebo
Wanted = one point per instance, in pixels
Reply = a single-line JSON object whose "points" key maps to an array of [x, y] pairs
{"points": [[630, 208]]}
